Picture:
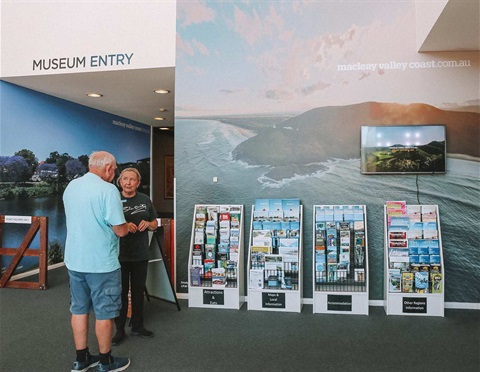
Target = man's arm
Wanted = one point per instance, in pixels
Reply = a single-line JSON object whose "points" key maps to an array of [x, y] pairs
{"points": [[120, 230]]}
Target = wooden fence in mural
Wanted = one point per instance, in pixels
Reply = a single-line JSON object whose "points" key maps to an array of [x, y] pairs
{"points": [[37, 224]]}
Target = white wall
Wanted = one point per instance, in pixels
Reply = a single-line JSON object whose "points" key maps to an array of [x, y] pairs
{"points": [[84, 31], [426, 14]]}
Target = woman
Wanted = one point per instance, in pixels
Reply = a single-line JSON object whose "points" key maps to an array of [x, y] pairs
{"points": [[141, 217]]}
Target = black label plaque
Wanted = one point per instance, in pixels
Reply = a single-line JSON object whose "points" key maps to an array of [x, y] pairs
{"points": [[414, 305], [339, 302], [273, 300], [213, 297]]}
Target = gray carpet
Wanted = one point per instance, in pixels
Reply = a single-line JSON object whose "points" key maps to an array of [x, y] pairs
{"points": [[35, 335]]}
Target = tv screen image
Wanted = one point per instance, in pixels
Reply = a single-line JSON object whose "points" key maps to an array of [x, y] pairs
{"points": [[403, 149]]}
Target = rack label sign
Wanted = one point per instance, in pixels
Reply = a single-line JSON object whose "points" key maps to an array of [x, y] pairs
{"points": [[273, 300], [339, 302], [213, 297], [416, 305]]}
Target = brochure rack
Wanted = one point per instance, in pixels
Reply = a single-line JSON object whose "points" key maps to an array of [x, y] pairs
{"points": [[414, 275], [215, 270], [340, 259], [275, 273]]}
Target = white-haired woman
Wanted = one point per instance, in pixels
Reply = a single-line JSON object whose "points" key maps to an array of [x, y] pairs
{"points": [[141, 217]]}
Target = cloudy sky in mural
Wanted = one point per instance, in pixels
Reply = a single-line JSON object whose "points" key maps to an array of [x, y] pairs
{"points": [[274, 57]]}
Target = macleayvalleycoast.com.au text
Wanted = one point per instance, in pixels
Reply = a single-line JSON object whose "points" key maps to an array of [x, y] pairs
{"points": [[394, 65]]}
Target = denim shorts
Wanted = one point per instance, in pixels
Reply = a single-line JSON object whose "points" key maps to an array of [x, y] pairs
{"points": [[98, 291]]}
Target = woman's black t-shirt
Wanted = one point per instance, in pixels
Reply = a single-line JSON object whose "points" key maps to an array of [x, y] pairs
{"points": [[134, 247]]}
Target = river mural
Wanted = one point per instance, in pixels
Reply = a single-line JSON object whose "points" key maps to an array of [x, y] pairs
{"points": [[45, 142]]}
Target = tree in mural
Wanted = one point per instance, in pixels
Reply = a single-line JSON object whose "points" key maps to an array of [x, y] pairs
{"points": [[84, 160], [74, 168], [60, 161], [15, 172], [3, 170], [31, 160], [14, 169]]}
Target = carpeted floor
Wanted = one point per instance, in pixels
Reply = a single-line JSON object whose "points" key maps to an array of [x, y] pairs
{"points": [[35, 335]]}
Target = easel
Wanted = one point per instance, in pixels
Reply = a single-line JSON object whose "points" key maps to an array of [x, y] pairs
{"points": [[37, 224], [159, 284]]}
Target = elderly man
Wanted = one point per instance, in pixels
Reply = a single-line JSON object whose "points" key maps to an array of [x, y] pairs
{"points": [[95, 221]]}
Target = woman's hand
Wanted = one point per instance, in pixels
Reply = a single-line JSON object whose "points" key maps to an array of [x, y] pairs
{"points": [[143, 225], [132, 228]]}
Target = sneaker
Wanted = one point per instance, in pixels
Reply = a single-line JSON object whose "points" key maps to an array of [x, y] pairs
{"points": [[118, 338], [118, 364], [142, 332], [92, 361]]}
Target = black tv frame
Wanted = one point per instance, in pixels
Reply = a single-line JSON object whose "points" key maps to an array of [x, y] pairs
{"points": [[403, 158]]}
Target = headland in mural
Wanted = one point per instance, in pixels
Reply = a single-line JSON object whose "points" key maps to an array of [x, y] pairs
{"points": [[327, 133]]}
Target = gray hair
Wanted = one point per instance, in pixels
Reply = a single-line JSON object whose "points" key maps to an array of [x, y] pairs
{"points": [[99, 159], [134, 170]]}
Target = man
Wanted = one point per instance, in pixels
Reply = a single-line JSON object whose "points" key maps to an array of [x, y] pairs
{"points": [[95, 221]]}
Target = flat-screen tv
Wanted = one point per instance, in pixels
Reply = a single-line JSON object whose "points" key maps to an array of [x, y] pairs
{"points": [[403, 149]]}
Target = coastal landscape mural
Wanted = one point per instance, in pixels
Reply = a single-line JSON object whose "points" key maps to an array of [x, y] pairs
{"points": [[270, 99]]}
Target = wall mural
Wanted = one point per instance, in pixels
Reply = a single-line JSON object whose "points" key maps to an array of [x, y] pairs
{"points": [[270, 98], [45, 143]]}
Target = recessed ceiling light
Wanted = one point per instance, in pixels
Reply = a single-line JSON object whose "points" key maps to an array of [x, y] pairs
{"points": [[162, 109], [158, 118], [164, 128], [94, 95], [161, 91]]}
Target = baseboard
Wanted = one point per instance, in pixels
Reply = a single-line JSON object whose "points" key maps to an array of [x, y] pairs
{"points": [[36, 271], [306, 301], [462, 305], [381, 303]]}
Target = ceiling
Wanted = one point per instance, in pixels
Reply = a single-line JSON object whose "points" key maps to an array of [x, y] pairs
{"points": [[457, 28], [126, 93], [130, 93]]}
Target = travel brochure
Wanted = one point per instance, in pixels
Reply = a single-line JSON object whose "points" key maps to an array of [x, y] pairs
{"points": [[340, 247], [216, 246], [275, 244], [413, 247]]}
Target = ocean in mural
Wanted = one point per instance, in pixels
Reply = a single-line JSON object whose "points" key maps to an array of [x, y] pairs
{"points": [[327, 181]]}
